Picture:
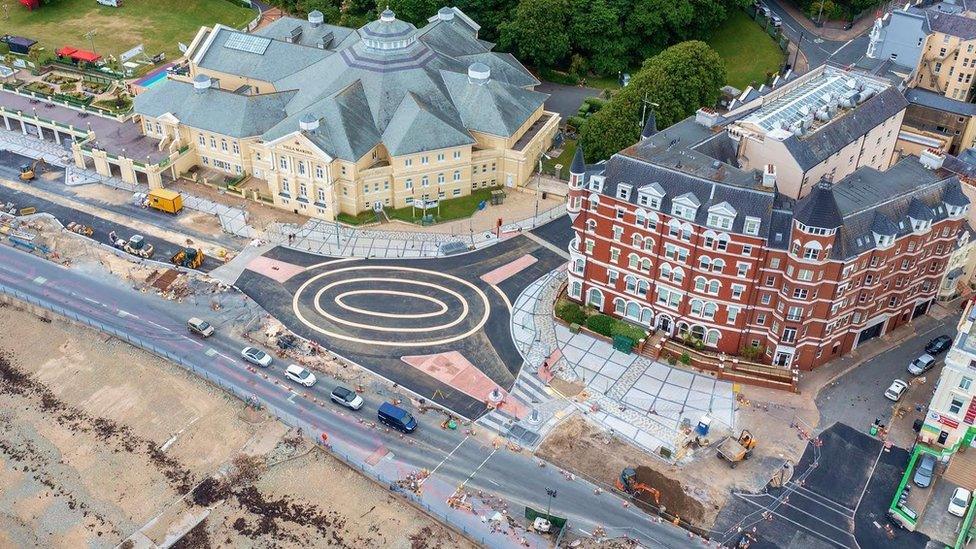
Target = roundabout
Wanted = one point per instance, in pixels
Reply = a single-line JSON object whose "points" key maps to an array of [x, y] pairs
{"points": [[390, 305]]}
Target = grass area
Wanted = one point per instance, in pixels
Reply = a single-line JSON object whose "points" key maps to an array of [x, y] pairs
{"points": [[157, 25], [450, 209], [565, 158], [749, 52], [359, 219]]}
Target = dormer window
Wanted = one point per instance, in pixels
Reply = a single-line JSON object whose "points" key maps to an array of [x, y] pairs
{"points": [[650, 195], [652, 202], [623, 192], [596, 183], [751, 225], [685, 206], [883, 240], [719, 221]]}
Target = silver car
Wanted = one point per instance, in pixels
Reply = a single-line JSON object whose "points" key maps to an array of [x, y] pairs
{"points": [[256, 356], [300, 375]]}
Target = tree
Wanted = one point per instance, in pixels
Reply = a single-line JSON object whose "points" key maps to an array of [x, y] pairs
{"points": [[415, 11], [329, 8], [490, 14], [539, 32], [596, 36], [680, 80]]}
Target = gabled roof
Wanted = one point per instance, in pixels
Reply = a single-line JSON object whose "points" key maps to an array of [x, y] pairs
{"points": [[278, 60], [918, 210], [492, 107]]}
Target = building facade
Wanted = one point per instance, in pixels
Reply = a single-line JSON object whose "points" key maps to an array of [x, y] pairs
{"points": [[327, 120], [684, 240], [951, 417]]}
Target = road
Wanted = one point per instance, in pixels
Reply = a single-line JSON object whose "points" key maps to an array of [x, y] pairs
{"points": [[817, 50], [454, 457]]}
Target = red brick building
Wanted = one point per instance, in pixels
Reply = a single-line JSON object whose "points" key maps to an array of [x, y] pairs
{"points": [[670, 234]]}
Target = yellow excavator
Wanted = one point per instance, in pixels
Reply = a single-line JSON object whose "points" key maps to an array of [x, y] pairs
{"points": [[188, 257], [29, 171]]}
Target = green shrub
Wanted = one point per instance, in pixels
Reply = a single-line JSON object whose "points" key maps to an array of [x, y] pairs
{"points": [[584, 109], [601, 324], [595, 103], [685, 359], [627, 329], [671, 360], [570, 312], [575, 122]]}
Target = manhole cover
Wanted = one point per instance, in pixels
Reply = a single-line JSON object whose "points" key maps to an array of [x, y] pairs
{"points": [[523, 436]]}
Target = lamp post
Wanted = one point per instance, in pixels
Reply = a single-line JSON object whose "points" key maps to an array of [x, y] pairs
{"points": [[552, 494]]}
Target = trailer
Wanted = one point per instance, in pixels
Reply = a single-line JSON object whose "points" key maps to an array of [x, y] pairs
{"points": [[165, 200]]}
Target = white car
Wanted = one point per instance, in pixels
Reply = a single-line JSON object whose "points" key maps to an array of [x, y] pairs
{"points": [[300, 375], [256, 356], [896, 390], [959, 502], [346, 397]]}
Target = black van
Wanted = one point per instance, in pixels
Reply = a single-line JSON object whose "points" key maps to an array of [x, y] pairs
{"points": [[396, 417]]}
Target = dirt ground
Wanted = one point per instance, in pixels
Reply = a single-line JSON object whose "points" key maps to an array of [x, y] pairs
{"points": [[697, 489], [258, 215], [90, 452]]}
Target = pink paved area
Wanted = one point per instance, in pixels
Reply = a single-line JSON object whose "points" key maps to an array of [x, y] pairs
{"points": [[453, 369], [505, 271], [274, 269]]}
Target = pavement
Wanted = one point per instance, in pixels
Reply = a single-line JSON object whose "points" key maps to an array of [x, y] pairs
{"points": [[565, 100], [820, 45], [454, 457]]}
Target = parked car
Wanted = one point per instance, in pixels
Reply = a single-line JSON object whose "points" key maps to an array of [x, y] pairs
{"points": [[200, 327], [346, 397], [776, 21], [921, 365], [396, 417], [256, 356], [300, 375], [959, 502], [925, 470], [938, 345], [896, 390]]}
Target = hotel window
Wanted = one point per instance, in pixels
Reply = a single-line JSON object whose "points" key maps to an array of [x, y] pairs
{"points": [[440, 157], [202, 140], [321, 196], [424, 182], [719, 221], [457, 175], [761, 320], [737, 291], [408, 184], [283, 162], [424, 160], [457, 155], [319, 172], [440, 179], [301, 167], [955, 406], [731, 314], [965, 383], [285, 187], [223, 145], [408, 162], [303, 190], [159, 129], [235, 147], [148, 126], [213, 142], [456, 192], [751, 226]]}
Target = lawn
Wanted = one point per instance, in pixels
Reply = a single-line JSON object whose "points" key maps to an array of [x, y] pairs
{"points": [[565, 158], [451, 208], [156, 24], [749, 52]]}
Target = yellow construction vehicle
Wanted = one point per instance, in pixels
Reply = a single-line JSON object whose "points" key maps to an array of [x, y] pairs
{"points": [[628, 482], [29, 171], [165, 200], [735, 450], [188, 257]]}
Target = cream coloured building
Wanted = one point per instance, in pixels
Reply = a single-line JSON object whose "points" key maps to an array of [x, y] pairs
{"points": [[340, 120]]}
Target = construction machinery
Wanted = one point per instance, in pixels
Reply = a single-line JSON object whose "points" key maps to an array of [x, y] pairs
{"points": [[136, 245], [735, 450], [188, 257], [84, 230], [628, 482], [29, 171], [165, 200]]}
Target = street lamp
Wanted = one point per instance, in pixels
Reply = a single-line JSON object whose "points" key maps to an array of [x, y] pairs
{"points": [[538, 187], [552, 494]]}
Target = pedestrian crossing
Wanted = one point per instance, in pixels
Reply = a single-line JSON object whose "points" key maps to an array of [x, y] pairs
{"points": [[529, 391]]}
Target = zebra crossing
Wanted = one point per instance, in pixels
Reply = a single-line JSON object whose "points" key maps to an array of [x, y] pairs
{"points": [[531, 392]]}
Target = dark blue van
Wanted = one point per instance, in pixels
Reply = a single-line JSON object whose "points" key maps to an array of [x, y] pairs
{"points": [[396, 417]]}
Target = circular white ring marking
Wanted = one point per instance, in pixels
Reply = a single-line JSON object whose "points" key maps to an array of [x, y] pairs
{"points": [[442, 307], [383, 343], [333, 318]]}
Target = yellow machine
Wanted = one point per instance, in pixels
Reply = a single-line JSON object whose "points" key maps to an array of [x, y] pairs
{"points": [[188, 257], [736, 450], [165, 200], [29, 171]]}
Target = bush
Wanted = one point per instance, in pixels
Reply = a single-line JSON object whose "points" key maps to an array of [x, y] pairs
{"points": [[583, 110], [575, 122], [626, 329], [595, 103], [685, 359], [570, 312], [752, 353], [601, 324]]}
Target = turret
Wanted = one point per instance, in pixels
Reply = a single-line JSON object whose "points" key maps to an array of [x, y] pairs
{"points": [[577, 173]]}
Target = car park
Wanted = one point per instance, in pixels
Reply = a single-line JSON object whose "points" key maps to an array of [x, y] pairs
{"points": [[924, 471], [346, 397], [300, 375], [200, 327], [921, 364], [959, 501], [938, 345], [256, 356], [396, 417], [896, 390]]}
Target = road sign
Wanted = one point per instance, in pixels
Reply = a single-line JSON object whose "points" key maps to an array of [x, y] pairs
{"points": [[134, 52]]}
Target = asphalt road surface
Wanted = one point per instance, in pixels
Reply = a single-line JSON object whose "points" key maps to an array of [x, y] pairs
{"points": [[453, 457]]}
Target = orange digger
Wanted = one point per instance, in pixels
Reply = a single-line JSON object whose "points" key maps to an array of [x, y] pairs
{"points": [[628, 482]]}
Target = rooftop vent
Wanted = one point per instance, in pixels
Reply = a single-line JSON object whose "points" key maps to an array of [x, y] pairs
{"points": [[308, 123], [388, 16], [445, 14], [932, 158], [316, 18], [479, 73], [769, 176], [201, 83], [294, 36], [706, 117]]}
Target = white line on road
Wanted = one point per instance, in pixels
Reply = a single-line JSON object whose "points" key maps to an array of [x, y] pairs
{"points": [[448, 456], [193, 341], [292, 398], [90, 300], [476, 469], [844, 45]]}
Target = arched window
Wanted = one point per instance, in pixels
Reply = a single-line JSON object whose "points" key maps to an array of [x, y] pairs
{"points": [[646, 316], [678, 275], [700, 284], [648, 243], [640, 218], [618, 305], [709, 310], [637, 240], [718, 265], [665, 271], [722, 242], [633, 310], [576, 288], [682, 328], [674, 227], [642, 287], [712, 337], [652, 220], [590, 225], [631, 283], [595, 298], [686, 231], [645, 265], [594, 202], [698, 331], [696, 307], [579, 265], [714, 286], [705, 262], [632, 261]]}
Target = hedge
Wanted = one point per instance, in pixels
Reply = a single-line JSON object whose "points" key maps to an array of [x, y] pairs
{"points": [[627, 329], [570, 312], [575, 122], [601, 324]]}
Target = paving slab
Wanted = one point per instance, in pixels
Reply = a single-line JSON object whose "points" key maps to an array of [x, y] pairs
{"points": [[680, 378], [649, 384]]}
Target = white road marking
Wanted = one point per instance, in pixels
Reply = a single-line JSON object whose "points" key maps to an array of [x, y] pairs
{"points": [[40, 280], [478, 468], [193, 341], [844, 45], [90, 300], [504, 297], [292, 398], [448, 456]]}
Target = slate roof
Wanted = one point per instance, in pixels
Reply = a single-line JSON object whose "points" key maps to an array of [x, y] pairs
{"points": [[578, 165], [812, 149], [207, 110], [819, 209], [937, 101], [413, 96], [951, 23], [311, 35]]}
